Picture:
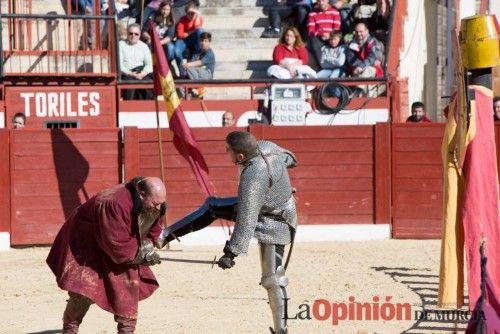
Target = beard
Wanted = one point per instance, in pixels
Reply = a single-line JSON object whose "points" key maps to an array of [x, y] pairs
{"points": [[147, 217], [149, 214]]}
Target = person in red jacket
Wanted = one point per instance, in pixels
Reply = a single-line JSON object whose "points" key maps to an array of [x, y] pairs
{"points": [[188, 34], [290, 57], [103, 252], [418, 113]]}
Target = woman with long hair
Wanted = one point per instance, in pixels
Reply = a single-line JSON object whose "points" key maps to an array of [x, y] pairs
{"points": [[165, 28], [290, 57]]}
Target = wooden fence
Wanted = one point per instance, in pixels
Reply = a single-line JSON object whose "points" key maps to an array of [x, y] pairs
{"points": [[382, 174]]}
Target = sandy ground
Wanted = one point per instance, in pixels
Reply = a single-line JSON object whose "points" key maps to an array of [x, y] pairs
{"points": [[193, 298]]}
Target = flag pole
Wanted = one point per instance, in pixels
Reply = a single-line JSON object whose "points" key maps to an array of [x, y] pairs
{"points": [[160, 152], [160, 144]]}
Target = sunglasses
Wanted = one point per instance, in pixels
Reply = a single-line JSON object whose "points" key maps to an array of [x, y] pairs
{"points": [[133, 34]]}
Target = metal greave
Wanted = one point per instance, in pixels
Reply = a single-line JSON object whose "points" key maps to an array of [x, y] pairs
{"points": [[274, 281]]}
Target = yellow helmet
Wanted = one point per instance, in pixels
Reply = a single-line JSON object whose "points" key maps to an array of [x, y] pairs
{"points": [[479, 42]]}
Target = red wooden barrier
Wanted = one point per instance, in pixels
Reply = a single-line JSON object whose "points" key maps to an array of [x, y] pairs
{"points": [[4, 181], [52, 172], [335, 181], [335, 178], [417, 180]]}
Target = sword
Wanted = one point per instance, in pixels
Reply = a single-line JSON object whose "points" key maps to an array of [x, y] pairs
{"points": [[213, 262]]}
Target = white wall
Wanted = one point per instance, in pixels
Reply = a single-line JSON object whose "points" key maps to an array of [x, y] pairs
{"points": [[414, 55], [494, 8]]}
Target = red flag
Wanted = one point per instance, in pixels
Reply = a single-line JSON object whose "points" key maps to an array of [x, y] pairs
{"points": [[481, 215], [184, 139]]}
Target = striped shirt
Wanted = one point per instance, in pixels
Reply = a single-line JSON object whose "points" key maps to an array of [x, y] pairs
{"points": [[320, 22]]}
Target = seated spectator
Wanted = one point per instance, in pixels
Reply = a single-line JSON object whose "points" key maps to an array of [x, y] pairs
{"points": [[188, 35], [151, 11], [86, 7], [364, 9], [333, 57], [179, 7], [290, 57], [135, 62], [165, 28], [418, 113], [124, 16], [496, 108], [378, 22], [299, 9], [228, 119], [320, 23], [344, 7], [364, 58], [202, 64], [18, 121]]}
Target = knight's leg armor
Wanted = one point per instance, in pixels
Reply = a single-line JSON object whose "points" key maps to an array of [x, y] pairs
{"points": [[274, 281]]}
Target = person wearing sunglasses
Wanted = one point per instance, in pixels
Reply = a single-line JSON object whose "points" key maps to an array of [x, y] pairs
{"points": [[135, 62], [103, 252]]}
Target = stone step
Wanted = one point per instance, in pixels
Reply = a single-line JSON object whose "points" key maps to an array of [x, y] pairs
{"points": [[238, 33], [252, 65], [237, 55], [211, 13], [46, 7], [236, 75], [219, 43], [237, 3], [235, 22], [56, 64]]}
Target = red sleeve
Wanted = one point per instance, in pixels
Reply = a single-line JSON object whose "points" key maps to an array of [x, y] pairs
{"points": [[181, 33], [198, 22], [303, 55], [278, 54], [336, 20], [311, 24], [114, 232]]}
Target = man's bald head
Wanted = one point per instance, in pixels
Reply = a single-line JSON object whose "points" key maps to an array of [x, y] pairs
{"points": [[153, 193]]}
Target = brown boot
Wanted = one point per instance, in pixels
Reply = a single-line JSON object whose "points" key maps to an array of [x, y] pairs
{"points": [[76, 308], [125, 325]]}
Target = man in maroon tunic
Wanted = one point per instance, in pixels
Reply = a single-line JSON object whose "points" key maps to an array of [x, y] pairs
{"points": [[102, 253]]}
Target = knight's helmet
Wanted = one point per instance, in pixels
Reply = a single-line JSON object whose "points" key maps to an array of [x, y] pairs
{"points": [[479, 44]]}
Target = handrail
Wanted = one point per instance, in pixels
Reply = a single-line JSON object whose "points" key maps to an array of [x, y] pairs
{"points": [[58, 16], [267, 80], [65, 45]]}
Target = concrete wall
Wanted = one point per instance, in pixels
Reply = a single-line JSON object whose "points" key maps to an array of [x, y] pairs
{"points": [[414, 57]]}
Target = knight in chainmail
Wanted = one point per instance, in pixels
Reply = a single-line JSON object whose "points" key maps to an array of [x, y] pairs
{"points": [[266, 210]]}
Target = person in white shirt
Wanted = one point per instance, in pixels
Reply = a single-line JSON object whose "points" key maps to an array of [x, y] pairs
{"points": [[135, 62]]}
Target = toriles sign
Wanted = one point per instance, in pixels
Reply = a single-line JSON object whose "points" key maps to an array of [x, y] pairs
{"points": [[89, 106], [61, 104]]}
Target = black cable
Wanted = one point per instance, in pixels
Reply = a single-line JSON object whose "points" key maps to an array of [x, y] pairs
{"points": [[330, 90]]}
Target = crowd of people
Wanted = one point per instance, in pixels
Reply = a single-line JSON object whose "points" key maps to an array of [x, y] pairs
{"points": [[322, 39], [185, 43], [330, 39]]}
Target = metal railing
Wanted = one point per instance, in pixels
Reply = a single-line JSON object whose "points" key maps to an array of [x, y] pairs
{"points": [[52, 45]]}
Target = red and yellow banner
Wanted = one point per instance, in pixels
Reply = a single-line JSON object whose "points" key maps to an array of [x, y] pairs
{"points": [[184, 139]]}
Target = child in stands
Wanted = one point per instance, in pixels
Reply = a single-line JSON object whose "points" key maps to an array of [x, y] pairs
{"points": [[333, 55], [202, 64]]}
